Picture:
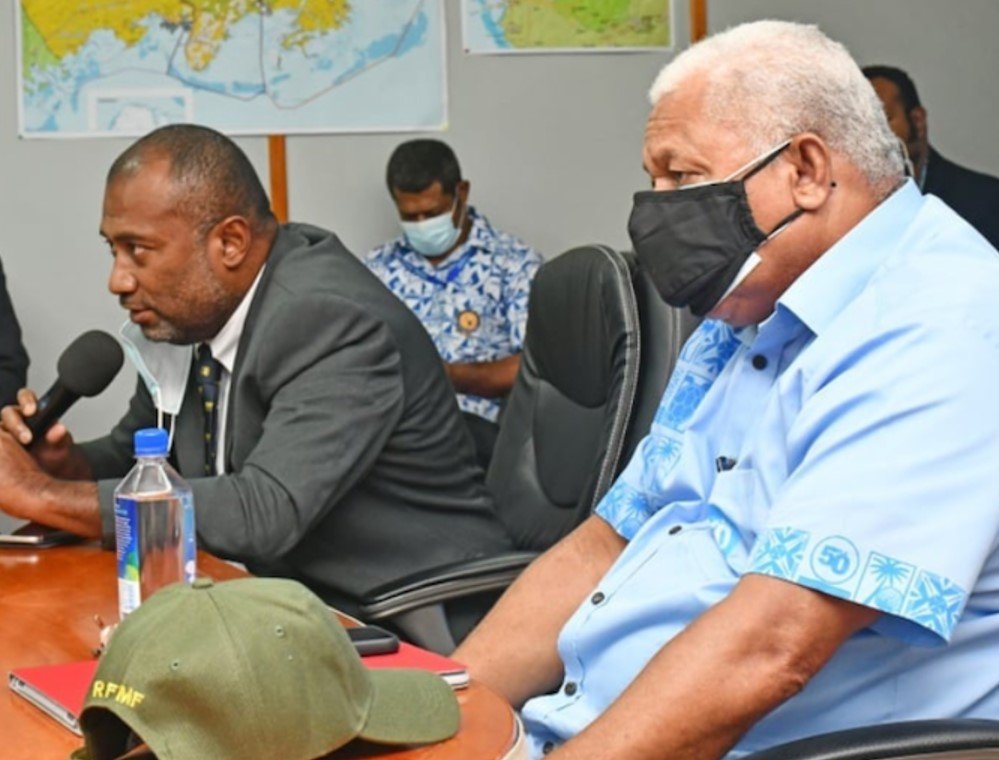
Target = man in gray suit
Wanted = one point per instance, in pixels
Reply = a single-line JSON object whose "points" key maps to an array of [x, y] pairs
{"points": [[343, 460]]}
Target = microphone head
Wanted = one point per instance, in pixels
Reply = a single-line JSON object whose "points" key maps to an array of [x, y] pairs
{"points": [[89, 363]]}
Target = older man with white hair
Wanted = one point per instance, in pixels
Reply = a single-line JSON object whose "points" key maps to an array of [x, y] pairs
{"points": [[808, 537]]}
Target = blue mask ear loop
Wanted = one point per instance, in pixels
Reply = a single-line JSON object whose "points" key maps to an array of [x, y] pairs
{"points": [[464, 210], [461, 223], [159, 418], [159, 408], [173, 422]]}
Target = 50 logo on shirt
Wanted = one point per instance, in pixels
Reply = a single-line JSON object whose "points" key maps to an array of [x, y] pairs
{"points": [[835, 560]]}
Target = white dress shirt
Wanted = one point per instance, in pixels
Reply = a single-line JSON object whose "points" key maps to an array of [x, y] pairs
{"points": [[223, 347]]}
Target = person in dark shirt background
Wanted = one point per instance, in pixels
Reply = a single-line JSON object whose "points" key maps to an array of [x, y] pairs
{"points": [[973, 195], [13, 357]]}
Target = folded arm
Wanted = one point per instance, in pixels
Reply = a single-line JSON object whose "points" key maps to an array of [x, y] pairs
{"points": [[487, 379], [513, 650]]}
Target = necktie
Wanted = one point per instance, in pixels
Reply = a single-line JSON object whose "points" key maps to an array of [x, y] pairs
{"points": [[209, 373]]}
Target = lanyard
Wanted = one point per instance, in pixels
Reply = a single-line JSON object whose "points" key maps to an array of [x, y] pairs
{"points": [[452, 273]]}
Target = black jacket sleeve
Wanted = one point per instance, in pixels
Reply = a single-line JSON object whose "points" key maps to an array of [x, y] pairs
{"points": [[13, 357]]}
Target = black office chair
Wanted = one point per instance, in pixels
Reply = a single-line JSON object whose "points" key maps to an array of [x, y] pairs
{"points": [[663, 331], [563, 429], [922, 739], [561, 436]]}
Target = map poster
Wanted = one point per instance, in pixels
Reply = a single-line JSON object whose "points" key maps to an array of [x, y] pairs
{"points": [[124, 67], [566, 26]]}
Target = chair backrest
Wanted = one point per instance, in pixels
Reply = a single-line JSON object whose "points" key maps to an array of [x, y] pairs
{"points": [[664, 330], [563, 428]]}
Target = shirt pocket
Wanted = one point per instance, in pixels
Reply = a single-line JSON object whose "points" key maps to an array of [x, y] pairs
{"points": [[675, 561], [650, 597], [702, 552], [733, 509]]}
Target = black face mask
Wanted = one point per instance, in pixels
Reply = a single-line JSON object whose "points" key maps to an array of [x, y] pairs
{"points": [[693, 241]]}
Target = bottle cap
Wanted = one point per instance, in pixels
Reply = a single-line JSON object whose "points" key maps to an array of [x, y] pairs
{"points": [[150, 442]]}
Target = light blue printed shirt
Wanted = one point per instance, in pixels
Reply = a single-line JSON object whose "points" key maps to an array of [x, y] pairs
{"points": [[849, 444], [473, 303]]}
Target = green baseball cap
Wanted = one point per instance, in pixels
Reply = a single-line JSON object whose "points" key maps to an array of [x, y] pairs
{"points": [[250, 668]]}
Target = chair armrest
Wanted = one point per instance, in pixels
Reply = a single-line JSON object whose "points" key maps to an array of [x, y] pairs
{"points": [[441, 584], [921, 738]]}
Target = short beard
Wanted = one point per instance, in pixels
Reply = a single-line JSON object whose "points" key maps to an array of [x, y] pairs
{"points": [[210, 306]]}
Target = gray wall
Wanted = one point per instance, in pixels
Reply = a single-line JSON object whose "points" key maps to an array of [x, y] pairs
{"points": [[947, 46], [551, 145]]}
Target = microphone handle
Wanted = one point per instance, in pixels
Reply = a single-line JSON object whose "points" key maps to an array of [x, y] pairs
{"points": [[51, 407]]}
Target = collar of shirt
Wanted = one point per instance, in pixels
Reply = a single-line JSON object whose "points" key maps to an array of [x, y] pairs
{"points": [[224, 346], [746, 335], [842, 272], [226, 340]]}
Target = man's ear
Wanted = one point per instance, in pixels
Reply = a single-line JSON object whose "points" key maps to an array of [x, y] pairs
{"points": [[812, 182], [461, 189], [232, 239]]}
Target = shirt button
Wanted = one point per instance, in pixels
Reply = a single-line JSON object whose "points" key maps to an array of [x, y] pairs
{"points": [[597, 597], [570, 688], [760, 361], [675, 529], [547, 747]]}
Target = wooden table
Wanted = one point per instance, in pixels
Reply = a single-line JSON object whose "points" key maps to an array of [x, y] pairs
{"points": [[48, 600]]}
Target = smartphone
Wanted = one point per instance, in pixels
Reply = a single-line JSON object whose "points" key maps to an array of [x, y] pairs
{"points": [[370, 639], [34, 536]]}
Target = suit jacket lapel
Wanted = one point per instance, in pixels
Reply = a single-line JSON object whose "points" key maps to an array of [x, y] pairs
{"points": [[283, 242]]}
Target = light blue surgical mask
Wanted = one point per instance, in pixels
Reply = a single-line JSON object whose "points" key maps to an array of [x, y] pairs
{"points": [[436, 235], [163, 367]]}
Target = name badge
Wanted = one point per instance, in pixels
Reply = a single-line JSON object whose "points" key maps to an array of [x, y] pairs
{"points": [[468, 321]]}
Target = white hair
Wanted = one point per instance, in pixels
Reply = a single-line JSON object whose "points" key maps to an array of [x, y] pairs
{"points": [[771, 80]]}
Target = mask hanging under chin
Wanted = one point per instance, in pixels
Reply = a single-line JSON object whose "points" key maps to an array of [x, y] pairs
{"points": [[164, 369]]}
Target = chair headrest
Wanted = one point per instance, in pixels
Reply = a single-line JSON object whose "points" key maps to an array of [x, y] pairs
{"points": [[580, 298]]}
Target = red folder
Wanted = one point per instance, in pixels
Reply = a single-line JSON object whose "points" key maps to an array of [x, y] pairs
{"points": [[57, 690], [409, 656], [60, 690]]}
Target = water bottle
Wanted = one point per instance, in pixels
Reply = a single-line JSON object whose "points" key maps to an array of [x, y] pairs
{"points": [[153, 523]]}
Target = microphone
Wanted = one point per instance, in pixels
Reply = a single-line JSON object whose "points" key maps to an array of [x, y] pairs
{"points": [[86, 367]]}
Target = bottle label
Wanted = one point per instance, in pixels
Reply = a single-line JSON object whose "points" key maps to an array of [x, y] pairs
{"points": [[126, 530]]}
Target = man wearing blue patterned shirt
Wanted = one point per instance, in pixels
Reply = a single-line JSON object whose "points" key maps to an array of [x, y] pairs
{"points": [[808, 538], [467, 282]]}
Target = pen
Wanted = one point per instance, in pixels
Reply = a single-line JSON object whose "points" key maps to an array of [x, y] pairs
{"points": [[722, 464]]}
